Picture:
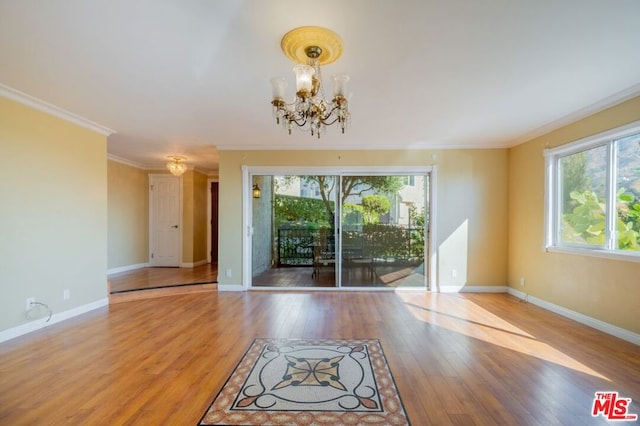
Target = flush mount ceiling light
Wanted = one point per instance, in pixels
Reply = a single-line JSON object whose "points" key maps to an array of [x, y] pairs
{"points": [[311, 47], [176, 165]]}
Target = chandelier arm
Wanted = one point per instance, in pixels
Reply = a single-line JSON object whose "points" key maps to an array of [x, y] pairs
{"points": [[296, 120], [328, 123], [324, 119], [304, 123]]}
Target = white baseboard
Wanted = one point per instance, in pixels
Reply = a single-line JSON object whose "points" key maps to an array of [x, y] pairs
{"points": [[605, 327], [56, 318], [127, 268], [193, 264], [230, 287], [473, 289]]}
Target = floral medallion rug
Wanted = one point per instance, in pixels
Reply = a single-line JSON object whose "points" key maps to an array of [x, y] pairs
{"points": [[309, 382]]}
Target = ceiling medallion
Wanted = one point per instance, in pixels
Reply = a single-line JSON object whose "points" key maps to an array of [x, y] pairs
{"points": [[295, 42]]}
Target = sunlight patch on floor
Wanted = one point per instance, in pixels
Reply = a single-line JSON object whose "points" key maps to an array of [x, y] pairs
{"points": [[410, 277], [466, 317]]}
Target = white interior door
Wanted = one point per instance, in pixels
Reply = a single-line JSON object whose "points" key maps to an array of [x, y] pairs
{"points": [[165, 232]]}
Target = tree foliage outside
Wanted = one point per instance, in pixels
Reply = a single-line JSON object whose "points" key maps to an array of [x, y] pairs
{"points": [[584, 181], [574, 177], [361, 221], [373, 206], [351, 186], [389, 242], [417, 230], [352, 214], [299, 212], [586, 223]]}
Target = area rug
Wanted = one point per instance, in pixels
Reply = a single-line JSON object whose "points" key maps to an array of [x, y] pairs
{"points": [[309, 382]]}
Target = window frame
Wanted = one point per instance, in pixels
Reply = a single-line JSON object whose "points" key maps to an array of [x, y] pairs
{"points": [[553, 193]]}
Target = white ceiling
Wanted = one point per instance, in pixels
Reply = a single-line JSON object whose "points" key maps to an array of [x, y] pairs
{"points": [[187, 76]]}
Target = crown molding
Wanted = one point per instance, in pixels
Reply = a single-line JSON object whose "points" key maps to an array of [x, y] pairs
{"points": [[126, 162], [40, 105], [206, 172], [418, 146], [578, 115]]}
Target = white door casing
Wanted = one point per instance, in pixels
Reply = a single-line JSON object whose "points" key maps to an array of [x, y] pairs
{"points": [[165, 220], [430, 171]]}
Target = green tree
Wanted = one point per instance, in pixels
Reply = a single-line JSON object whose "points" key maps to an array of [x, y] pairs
{"points": [[300, 211], [373, 206], [352, 214], [587, 222], [574, 178], [417, 220], [354, 185], [628, 221], [351, 185]]}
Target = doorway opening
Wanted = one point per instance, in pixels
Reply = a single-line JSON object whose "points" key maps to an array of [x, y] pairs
{"points": [[213, 198], [338, 229]]}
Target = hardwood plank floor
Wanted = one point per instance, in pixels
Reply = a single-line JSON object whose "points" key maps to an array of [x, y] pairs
{"points": [[148, 278], [355, 275], [456, 358]]}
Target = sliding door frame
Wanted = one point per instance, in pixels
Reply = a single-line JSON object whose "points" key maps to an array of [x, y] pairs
{"points": [[430, 195]]}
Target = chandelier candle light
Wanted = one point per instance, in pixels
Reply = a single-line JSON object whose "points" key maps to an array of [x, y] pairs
{"points": [[311, 47]]}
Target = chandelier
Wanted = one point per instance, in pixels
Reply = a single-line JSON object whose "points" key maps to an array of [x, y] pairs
{"points": [[311, 47], [176, 165]]}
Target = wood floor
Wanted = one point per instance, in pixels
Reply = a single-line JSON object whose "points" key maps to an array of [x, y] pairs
{"points": [[149, 278], [380, 276], [159, 278], [457, 359]]}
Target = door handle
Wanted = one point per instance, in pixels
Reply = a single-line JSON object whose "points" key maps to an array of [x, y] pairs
{"points": [[175, 226]]}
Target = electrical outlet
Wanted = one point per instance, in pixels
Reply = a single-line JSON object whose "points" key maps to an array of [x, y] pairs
{"points": [[454, 273], [521, 281], [227, 273], [30, 302], [66, 294]]}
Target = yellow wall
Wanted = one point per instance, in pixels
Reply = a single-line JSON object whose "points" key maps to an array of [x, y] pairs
{"points": [[471, 202], [128, 215], [187, 216], [200, 217], [194, 217], [53, 213], [605, 289]]}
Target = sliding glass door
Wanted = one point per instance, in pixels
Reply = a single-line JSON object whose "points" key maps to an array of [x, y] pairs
{"points": [[342, 230], [294, 231], [383, 230]]}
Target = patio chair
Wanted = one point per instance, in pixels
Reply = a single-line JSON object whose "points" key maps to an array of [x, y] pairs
{"points": [[324, 252]]}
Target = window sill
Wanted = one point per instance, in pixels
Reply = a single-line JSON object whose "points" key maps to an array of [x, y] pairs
{"points": [[603, 254]]}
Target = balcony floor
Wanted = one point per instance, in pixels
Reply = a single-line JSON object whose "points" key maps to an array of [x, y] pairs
{"points": [[383, 276]]}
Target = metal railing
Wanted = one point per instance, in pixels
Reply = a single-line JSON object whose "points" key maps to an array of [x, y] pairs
{"points": [[296, 247]]}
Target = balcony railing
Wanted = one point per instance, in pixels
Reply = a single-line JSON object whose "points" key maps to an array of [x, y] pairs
{"points": [[295, 246], [388, 243]]}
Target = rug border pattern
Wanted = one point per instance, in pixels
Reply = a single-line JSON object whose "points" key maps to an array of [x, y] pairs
{"points": [[392, 411]]}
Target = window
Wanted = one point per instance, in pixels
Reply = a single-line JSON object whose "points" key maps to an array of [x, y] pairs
{"points": [[409, 180], [593, 195]]}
